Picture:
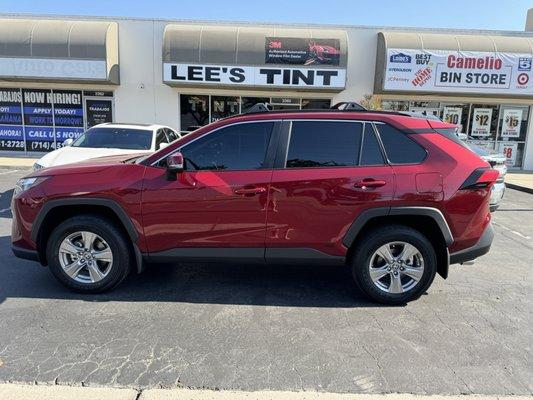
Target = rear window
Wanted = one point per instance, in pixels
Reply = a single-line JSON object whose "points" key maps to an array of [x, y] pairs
{"points": [[399, 147], [324, 144]]}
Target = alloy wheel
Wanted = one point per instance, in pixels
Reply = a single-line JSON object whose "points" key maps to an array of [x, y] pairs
{"points": [[85, 257], [396, 267]]}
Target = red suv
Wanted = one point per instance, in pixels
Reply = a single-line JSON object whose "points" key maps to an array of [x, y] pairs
{"points": [[394, 198]]}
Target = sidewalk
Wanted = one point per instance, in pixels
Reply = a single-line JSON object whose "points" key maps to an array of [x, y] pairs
{"points": [[522, 181], [16, 162], [10, 391]]}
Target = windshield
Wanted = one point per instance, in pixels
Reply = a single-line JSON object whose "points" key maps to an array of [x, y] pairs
{"points": [[117, 138]]}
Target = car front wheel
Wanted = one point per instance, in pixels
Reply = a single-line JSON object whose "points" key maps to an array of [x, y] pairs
{"points": [[394, 264], [88, 254]]}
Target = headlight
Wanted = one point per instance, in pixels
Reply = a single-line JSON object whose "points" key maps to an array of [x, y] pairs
{"points": [[26, 183], [37, 166]]}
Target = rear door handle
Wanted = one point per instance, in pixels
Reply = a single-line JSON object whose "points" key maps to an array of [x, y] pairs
{"points": [[250, 191], [369, 183]]}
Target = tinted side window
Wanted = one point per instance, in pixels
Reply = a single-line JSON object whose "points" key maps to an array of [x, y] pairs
{"points": [[171, 135], [371, 152], [324, 144], [236, 147], [399, 148]]}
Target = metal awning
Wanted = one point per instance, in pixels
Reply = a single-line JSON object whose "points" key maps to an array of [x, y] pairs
{"points": [[59, 50], [441, 45], [244, 47], [234, 45]]}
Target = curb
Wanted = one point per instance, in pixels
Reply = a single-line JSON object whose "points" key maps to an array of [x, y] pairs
{"points": [[520, 188], [11, 391]]}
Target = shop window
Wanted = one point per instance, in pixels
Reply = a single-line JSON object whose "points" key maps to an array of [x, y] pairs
{"points": [[483, 122], [316, 104], [249, 102], [456, 114], [512, 132], [194, 112], [285, 103], [224, 106], [393, 105]]}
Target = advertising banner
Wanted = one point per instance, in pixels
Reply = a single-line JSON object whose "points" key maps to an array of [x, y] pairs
{"points": [[458, 72], [42, 119], [38, 119], [302, 51], [511, 124], [509, 149], [481, 122], [11, 132], [452, 115], [260, 76], [98, 111]]}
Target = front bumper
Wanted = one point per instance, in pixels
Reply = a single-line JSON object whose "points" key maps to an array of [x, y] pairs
{"points": [[481, 247]]}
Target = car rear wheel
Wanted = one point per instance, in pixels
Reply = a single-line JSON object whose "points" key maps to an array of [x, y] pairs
{"points": [[394, 264], [88, 254]]}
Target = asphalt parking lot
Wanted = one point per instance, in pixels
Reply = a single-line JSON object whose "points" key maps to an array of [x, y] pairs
{"points": [[283, 328]]}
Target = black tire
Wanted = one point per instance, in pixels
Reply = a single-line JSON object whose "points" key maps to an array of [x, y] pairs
{"points": [[108, 231], [376, 238]]}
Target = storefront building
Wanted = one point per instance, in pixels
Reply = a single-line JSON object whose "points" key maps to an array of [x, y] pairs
{"points": [[61, 76]]}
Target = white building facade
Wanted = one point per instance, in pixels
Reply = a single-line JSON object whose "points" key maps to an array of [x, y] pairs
{"points": [[59, 76]]}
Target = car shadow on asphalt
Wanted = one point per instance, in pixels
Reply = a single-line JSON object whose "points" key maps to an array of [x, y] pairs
{"points": [[287, 285]]}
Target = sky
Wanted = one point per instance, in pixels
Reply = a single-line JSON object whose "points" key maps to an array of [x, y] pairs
{"points": [[507, 15]]}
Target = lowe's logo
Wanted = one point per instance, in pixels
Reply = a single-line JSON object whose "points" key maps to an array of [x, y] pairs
{"points": [[400, 58]]}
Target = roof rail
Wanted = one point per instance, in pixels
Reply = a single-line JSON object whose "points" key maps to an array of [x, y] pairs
{"points": [[348, 106]]}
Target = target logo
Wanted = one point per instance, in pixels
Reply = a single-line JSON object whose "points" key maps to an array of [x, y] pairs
{"points": [[522, 79]]}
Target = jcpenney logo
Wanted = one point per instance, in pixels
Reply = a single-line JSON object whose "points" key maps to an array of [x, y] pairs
{"points": [[311, 78]]}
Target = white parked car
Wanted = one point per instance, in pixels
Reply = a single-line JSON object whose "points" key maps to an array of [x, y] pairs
{"points": [[110, 139], [498, 161]]}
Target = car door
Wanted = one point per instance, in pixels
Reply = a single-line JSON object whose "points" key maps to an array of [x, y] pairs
{"points": [[217, 206], [326, 173]]}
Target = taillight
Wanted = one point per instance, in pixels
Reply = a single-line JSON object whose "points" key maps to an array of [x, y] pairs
{"points": [[480, 178]]}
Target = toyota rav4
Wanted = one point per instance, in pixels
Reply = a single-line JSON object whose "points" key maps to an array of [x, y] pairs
{"points": [[393, 198]]}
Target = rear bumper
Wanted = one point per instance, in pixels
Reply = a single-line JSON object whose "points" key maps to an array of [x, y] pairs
{"points": [[480, 248], [26, 254]]}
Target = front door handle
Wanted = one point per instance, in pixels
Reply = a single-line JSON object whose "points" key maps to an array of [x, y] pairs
{"points": [[369, 183], [250, 191]]}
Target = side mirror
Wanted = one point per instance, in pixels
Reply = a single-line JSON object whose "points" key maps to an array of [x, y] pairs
{"points": [[68, 142], [175, 165]]}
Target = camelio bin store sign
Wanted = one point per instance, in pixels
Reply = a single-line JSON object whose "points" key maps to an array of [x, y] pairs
{"points": [[458, 72], [255, 76]]}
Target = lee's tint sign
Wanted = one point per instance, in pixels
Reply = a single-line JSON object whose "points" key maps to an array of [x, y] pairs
{"points": [[458, 72]]}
